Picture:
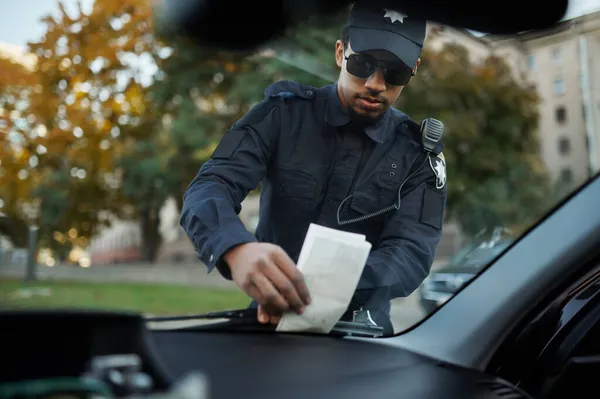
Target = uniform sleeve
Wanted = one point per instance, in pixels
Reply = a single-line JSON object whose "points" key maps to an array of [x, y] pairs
{"points": [[408, 242], [212, 201]]}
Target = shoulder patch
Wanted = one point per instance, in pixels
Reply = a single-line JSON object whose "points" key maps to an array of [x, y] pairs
{"points": [[438, 166], [289, 89]]}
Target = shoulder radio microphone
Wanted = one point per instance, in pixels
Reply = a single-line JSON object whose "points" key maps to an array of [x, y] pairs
{"points": [[432, 131]]}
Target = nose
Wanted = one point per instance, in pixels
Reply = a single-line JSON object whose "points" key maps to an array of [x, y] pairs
{"points": [[376, 82]]}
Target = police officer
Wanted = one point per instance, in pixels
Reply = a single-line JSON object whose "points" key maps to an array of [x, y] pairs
{"points": [[340, 156]]}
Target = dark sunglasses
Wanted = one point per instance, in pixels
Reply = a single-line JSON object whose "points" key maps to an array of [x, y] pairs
{"points": [[363, 66]]}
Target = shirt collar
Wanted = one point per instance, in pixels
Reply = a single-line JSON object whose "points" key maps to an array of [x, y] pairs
{"points": [[337, 116]]}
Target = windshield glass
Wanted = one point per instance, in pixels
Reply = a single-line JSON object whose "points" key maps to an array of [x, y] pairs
{"points": [[141, 171], [482, 255]]}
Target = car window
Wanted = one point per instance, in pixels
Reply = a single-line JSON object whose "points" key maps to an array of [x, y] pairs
{"points": [[134, 163], [483, 254], [462, 254]]}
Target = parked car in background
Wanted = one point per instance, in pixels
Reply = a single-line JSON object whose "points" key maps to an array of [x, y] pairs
{"points": [[442, 284]]}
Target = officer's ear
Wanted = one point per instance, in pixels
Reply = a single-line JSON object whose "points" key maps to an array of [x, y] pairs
{"points": [[339, 53], [414, 71]]}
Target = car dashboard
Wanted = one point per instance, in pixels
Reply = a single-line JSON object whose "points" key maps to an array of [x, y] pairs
{"points": [[119, 351]]}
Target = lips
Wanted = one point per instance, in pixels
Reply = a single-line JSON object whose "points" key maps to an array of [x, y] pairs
{"points": [[369, 104], [371, 100]]}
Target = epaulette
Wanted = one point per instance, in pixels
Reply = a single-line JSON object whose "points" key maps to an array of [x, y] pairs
{"points": [[415, 131], [290, 89]]}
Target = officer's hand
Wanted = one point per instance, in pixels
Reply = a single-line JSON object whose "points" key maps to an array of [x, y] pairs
{"points": [[268, 275], [265, 317]]}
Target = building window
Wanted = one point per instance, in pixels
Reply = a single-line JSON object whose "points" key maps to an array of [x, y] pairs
{"points": [[561, 115], [564, 146], [531, 62], [587, 144], [566, 176], [126, 241], [559, 86], [557, 56]]}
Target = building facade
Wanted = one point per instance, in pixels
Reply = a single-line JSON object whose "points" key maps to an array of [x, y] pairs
{"points": [[563, 63]]}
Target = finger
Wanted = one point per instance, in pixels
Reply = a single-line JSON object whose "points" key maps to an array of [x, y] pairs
{"points": [[265, 317], [262, 316], [251, 289], [263, 312], [283, 284], [274, 319], [268, 296], [287, 266]]}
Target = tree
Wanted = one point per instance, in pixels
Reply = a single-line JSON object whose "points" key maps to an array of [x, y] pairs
{"points": [[495, 172], [144, 175], [17, 150], [70, 108], [95, 104], [194, 93]]}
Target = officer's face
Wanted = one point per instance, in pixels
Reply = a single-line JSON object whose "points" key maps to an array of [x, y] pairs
{"points": [[370, 97]]}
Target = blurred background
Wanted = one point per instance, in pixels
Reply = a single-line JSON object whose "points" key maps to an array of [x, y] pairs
{"points": [[105, 118]]}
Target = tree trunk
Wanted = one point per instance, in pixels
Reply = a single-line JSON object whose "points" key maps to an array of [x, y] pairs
{"points": [[151, 237]]}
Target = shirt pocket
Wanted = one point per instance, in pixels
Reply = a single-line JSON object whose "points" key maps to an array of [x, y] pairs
{"points": [[367, 215], [365, 203], [380, 192]]}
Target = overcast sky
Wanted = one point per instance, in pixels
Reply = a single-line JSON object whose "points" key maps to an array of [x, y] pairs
{"points": [[20, 19]]}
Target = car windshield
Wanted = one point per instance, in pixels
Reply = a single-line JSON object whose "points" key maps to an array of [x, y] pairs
{"points": [[478, 254], [482, 255], [140, 170]]}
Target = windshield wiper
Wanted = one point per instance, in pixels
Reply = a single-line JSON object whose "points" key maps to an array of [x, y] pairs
{"points": [[246, 320]]}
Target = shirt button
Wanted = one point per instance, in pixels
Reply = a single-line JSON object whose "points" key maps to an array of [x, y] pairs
{"points": [[309, 92], [212, 257]]}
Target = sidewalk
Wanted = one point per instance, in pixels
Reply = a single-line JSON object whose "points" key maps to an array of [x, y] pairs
{"points": [[185, 274]]}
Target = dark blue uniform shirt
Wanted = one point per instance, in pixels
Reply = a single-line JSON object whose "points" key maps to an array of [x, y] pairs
{"points": [[300, 145]]}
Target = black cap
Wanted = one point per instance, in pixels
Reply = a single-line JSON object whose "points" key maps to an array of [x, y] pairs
{"points": [[375, 25]]}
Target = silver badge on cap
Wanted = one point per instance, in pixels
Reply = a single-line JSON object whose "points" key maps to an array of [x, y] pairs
{"points": [[394, 15]]}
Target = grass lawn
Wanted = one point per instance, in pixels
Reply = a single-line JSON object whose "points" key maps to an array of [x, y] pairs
{"points": [[156, 299]]}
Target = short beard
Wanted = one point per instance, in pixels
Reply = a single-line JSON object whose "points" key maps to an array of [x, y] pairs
{"points": [[363, 120]]}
